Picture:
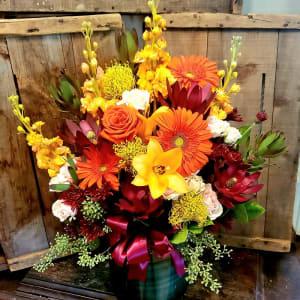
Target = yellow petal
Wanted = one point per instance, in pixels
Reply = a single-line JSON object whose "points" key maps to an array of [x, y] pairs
{"points": [[177, 183], [142, 163], [157, 185], [170, 159], [154, 147], [139, 181]]}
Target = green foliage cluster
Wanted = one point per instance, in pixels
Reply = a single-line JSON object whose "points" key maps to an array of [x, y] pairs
{"points": [[64, 245], [193, 252], [92, 210]]}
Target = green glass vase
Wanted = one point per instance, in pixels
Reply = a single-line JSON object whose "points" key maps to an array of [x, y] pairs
{"points": [[162, 283]]}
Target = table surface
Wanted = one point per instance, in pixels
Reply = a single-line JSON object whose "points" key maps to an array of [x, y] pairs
{"points": [[248, 275]]}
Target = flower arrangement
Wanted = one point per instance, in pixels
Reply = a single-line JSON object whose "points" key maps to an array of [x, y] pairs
{"points": [[153, 166]]}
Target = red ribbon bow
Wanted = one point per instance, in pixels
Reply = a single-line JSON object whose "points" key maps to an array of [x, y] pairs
{"points": [[134, 251]]}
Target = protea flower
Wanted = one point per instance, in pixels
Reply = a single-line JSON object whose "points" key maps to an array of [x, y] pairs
{"points": [[88, 127], [195, 98], [234, 184]]}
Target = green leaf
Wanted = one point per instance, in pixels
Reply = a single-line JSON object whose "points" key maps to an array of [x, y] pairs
{"points": [[245, 132], [253, 210], [278, 143], [263, 147], [67, 90], [180, 236], [257, 161], [240, 213], [194, 228], [59, 187], [73, 174], [71, 162], [131, 45]]}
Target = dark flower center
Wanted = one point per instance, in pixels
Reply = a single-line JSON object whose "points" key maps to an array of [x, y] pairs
{"points": [[160, 170]]}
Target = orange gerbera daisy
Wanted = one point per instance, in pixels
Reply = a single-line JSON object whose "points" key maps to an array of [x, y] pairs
{"points": [[194, 69], [183, 129], [101, 164]]}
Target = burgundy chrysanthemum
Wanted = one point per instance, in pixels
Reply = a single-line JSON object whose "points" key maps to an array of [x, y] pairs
{"points": [[223, 154], [90, 230], [75, 196], [234, 116]]}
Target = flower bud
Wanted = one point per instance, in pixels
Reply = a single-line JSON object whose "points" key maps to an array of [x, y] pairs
{"points": [[234, 74], [20, 129], [95, 45], [85, 54], [233, 64], [94, 62], [162, 23], [150, 4], [156, 31], [147, 21], [147, 35], [221, 74], [27, 120], [225, 62], [235, 88], [85, 68], [262, 116]]}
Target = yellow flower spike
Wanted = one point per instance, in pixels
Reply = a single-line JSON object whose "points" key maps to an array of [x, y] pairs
{"points": [[20, 129], [157, 169]]}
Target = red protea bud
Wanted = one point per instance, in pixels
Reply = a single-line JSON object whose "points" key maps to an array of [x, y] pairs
{"points": [[262, 116]]}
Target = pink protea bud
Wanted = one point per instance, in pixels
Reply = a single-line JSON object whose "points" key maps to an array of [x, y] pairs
{"points": [[262, 116]]}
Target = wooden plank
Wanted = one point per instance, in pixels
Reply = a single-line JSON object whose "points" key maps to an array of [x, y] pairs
{"points": [[258, 243], [219, 20], [25, 261], [51, 54], [286, 118], [20, 213], [43, 26], [3, 263], [124, 6], [236, 7], [258, 63], [194, 41]]}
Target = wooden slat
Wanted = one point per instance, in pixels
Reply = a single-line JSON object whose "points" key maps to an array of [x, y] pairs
{"points": [[124, 6], [236, 7], [55, 25], [186, 42], [259, 54], [258, 243], [25, 261], [36, 61], [286, 118], [3, 263], [21, 227], [219, 20]]}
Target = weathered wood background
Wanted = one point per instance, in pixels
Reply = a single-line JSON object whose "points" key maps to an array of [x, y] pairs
{"points": [[34, 50]]}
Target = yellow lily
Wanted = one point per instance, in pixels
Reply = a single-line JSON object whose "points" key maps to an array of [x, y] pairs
{"points": [[157, 169], [148, 124]]}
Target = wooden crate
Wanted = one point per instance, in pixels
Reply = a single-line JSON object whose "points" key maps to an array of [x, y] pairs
{"points": [[31, 52], [124, 6], [269, 72]]}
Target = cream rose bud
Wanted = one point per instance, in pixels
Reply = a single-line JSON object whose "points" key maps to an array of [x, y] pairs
{"points": [[214, 207], [195, 183], [63, 177], [232, 135], [139, 99], [217, 127], [63, 211]]}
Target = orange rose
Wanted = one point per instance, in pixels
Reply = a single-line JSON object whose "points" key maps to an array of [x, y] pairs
{"points": [[120, 123]]}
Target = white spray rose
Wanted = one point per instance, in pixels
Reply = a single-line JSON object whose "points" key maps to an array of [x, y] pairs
{"points": [[214, 207], [217, 127], [139, 99], [63, 211], [232, 135], [63, 177]]}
